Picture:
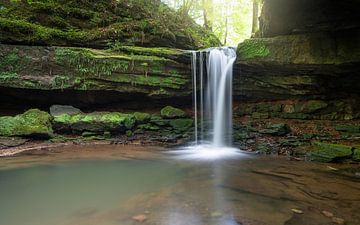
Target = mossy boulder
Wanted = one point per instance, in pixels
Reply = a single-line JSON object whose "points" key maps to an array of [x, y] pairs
{"points": [[32, 123], [356, 155], [313, 106], [280, 129], [170, 112], [348, 128], [142, 118], [94, 122], [181, 125], [328, 152]]}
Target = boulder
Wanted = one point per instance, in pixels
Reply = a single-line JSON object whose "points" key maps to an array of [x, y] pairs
{"points": [[328, 152], [56, 110], [170, 112], [181, 125], [356, 155], [32, 123], [142, 118], [98, 122], [276, 129]]}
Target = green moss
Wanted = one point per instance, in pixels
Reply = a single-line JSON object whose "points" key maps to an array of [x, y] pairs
{"points": [[313, 106], [252, 49], [148, 126], [142, 117], [356, 155], [95, 122], [32, 123], [100, 23], [181, 125], [170, 112], [327, 152]]}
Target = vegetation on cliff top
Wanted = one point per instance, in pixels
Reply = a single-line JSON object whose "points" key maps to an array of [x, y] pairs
{"points": [[99, 24]]}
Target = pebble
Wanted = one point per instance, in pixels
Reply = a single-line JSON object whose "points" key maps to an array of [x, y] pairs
{"points": [[216, 214], [327, 213], [139, 218], [297, 211], [338, 220]]}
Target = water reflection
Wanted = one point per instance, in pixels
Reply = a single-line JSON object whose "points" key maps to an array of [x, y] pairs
{"points": [[173, 191]]}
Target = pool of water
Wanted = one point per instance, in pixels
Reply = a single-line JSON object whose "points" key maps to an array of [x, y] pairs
{"points": [[115, 187]]}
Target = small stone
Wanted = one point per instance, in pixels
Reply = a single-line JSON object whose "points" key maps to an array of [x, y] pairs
{"points": [[140, 218], [327, 213], [216, 214], [297, 211], [338, 220]]}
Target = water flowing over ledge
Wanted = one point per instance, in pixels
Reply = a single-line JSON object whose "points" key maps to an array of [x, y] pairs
{"points": [[212, 72]]}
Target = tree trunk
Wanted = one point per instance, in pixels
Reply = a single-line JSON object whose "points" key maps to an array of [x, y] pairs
{"points": [[255, 22]]}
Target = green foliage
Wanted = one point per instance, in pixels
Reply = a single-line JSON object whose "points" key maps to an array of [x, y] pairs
{"points": [[252, 49], [99, 23]]}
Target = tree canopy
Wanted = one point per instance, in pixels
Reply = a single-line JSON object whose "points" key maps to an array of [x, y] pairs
{"points": [[230, 20]]}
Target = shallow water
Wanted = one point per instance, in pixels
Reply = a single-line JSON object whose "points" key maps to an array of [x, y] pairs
{"points": [[113, 186]]}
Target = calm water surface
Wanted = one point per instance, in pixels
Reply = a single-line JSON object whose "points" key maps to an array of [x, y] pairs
{"points": [[109, 189]]}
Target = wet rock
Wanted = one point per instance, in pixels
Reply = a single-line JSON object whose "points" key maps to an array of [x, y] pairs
{"points": [[32, 123], [327, 152], [276, 129], [297, 211], [11, 142], [140, 218], [56, 110], [170, 112], [338, 220], [181, 125], [327, 213]]}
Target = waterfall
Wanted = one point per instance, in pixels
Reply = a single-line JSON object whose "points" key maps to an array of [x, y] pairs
{"points": [[214, 85]]}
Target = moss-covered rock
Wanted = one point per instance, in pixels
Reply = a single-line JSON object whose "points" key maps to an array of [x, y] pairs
{"points": [[142, 117], [348, 128], [356, 155], [80, 69], [170, 112], [94, 122], [100, 24], [327, 152], [181, 125], [276, 129], [32, 123]]}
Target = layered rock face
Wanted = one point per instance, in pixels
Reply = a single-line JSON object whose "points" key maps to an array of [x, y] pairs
{"points": [[95, 53], [82, 76], [307, 50]]}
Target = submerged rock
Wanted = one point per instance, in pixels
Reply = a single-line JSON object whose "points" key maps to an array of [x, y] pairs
{"points": [[170, 112], [32, 123], [327, 152]]}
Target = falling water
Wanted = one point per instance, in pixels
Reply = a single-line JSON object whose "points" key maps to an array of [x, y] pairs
{"points": [[215, 88]]}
